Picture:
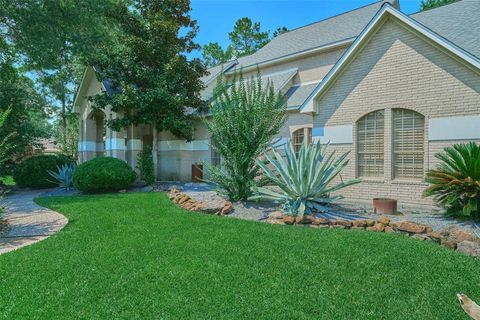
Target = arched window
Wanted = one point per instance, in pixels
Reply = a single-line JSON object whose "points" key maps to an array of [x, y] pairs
{"points": [[299, 135], [408, 144], [370, 144]]}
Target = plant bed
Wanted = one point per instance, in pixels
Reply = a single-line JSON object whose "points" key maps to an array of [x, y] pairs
{"points": [[217, 206]]}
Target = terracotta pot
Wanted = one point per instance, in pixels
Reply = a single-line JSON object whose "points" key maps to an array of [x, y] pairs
{"points": [[384, 206], [197, 172]]}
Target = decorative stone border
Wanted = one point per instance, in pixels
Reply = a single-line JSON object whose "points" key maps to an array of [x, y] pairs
{"points": [[217, 206], [451, 237]]}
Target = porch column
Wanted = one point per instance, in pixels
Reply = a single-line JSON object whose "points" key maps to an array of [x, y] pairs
{"points": [[115, 142], [134, 146]]}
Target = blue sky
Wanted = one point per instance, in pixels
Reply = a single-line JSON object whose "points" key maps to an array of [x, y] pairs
{"points": [[217, 17]]}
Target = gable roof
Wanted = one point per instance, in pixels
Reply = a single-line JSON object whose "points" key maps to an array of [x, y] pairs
{"points": [[385, 12], [458, 22], [341, 28]]}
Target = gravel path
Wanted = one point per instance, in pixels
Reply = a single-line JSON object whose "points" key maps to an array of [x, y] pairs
{"points": [[29, 223]]}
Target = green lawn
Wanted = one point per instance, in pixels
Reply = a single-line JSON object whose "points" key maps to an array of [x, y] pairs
{"points": [[136, 256]]}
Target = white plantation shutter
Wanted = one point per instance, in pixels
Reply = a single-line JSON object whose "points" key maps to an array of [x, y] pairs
{"points": [[408, 144], [370, 144]]}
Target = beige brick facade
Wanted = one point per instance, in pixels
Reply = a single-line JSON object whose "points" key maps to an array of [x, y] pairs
{"points": [[398, 69]]}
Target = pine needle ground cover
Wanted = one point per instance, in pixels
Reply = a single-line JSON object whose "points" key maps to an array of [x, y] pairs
{"points": [[137, 256]]}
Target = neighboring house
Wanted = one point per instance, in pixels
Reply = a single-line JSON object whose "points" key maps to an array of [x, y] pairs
{"points": [[390, 88]]}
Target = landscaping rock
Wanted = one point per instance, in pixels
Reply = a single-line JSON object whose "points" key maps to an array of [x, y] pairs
{"points": [[289, 219], [421, 237], [321, 221], [227, 208], [435, 236], [384, 220], [409, 226], [359, 223], [276, 215], [358, 228], [470, 248], [343, 223], [305, 219], [214, 205], [380, 227], [389, 229], [448, 244], [370, 222]]}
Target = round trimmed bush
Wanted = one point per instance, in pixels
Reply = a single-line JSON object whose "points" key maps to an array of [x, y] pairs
{"points": [[33, 171], [103, 175]]}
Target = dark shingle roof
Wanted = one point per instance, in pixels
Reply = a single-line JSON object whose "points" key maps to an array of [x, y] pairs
{"points": [[458, 22], [297, 95], [334, 29]]}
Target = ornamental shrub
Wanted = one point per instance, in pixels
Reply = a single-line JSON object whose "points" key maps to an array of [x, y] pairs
{"points": [[33, 171], [146, 165], [103, 175], [455, 182]]}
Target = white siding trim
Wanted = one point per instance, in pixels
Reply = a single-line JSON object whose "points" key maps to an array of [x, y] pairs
{"points": [[134, 144], [115, 144], [182, 145], [454, 128], [87, 146], [334, 134]]}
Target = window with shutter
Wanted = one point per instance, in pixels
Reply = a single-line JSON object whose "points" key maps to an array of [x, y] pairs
{"points": [[298, 137], [408, 144], [370, 144]]}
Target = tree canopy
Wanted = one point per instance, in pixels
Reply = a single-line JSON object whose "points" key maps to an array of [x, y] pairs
{"points": [[153, 81], [430, 4], [246, 38]]}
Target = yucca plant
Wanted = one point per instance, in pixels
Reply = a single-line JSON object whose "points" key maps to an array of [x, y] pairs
{"points": [[455, 183], [304, 180], [64, 176]]}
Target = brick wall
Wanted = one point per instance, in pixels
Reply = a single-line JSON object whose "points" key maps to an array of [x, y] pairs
{"points": [[398, 69]]}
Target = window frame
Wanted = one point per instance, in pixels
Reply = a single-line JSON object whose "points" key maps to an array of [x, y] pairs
{"points": [[393, 167], [381, 176]]}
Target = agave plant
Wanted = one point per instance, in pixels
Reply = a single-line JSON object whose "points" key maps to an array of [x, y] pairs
{"points": [[64, 176], [455, 183], [304, 180]]}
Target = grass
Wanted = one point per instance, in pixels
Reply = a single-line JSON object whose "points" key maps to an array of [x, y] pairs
{"points": [[136, 256]]}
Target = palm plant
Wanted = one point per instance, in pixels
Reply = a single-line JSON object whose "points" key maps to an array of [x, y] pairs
{"points": [[304, 180], [64, 176], [455, 183]]}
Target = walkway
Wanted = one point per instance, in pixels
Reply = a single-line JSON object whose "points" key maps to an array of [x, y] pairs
{"points": [[29, 223]]}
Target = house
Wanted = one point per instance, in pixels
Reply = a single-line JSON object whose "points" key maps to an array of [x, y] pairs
{"points": [[391, 89]]}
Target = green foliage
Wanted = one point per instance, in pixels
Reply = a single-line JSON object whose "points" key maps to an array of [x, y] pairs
{"points": [[455, 183], [63, 176], [246, 38], [151, 78], [146, 165], [103, 175], [33, 171], [67, 140], [6, 146], [430, 4], [304, 181], [213, 54], [28, 118], [52, 39], [244, 119]]}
